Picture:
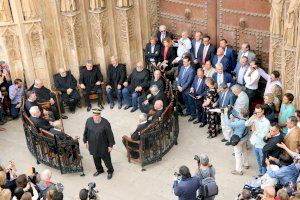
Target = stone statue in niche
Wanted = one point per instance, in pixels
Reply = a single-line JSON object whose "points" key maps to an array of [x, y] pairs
{"points": [[276, 16], [68, 5], [29, 9], [5, 12], [292, 21], [124, 3], [97, 4]]}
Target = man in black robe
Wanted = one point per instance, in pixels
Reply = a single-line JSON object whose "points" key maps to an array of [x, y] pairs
{"points": [[90, 80], [157, 111], [116, 76], [38, 120], [66, 84], [137, 82], [99, 139]]}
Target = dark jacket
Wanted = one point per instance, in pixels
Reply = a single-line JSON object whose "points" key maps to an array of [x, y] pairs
{"points": [[137, 78], [185, 80], [186, 189], [136, 135], [160, 96], [155, 55], [168, 35], [157, 115], [209, 55], [227, 78], [193, 49], [160, 83], [61, 135], [201, 90], [271, 149], [171, 55], [41, 123], [64, 83], [43, 94], [116, 75], [230, 54], [227, 99], [90, 77], [224, 61]]}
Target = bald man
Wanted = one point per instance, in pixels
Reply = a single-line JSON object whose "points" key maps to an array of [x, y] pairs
{"points": [[66, 84], [269, 193], [137, 82], [221, 58]]}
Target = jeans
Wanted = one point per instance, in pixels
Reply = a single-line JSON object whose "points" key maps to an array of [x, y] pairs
{"points": [[241, 155], [259, 158], [130, 101], [110, 96], [14, 111]]}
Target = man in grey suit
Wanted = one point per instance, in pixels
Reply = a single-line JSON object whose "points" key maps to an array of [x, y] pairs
{"points": [[196, 44], [246, 51]]}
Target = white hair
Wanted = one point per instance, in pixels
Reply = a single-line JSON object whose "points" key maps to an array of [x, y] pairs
{"points": [[143, 117], [162, 27], [219, 65], [154, 88], [46, 175], [33, 110], [236, 88], [37, 81]]}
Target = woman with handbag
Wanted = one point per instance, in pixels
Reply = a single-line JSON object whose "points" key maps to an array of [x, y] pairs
{"points": [[239, 139]]}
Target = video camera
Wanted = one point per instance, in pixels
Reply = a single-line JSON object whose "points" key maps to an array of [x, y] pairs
{"points": [[92, 191]]}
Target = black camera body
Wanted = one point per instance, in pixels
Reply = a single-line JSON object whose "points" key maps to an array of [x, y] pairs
{"points": [[92, 191]]}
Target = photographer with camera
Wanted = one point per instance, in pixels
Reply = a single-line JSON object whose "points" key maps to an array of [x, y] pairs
{"points": [[90, 193], [185, 186]]}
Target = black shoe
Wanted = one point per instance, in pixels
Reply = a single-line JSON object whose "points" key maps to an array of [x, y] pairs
{"points": [[119, 106], [98, 173], [191, 119], [111, 106], [100, 106], [224, 140], [196, 122], [127, 107], [228, 143], [88, 108], [202, 125], [133, 109], [109, 176], [64, 117]]}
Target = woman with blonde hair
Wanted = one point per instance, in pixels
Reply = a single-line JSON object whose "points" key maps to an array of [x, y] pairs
{"points": [[5, 194]]}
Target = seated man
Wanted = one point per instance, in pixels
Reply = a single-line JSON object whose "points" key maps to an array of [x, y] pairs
{"points": [[157, 110], [136, 135], [38, 120], [90, 80], [152, 51], [116, 76], [155, 94], [44, 95], [57, 130], [15, 92], [158, 80], [137, 81], [66, 84]]}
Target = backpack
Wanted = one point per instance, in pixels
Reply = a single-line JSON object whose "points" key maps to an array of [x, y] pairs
{"points": [[209, 187]]}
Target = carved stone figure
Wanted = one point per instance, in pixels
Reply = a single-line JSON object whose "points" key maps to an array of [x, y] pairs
{"points": [[29, 9], [68, 5], [124, 3], [97, 4], [276, 16], [292, 23], [5, 12]]}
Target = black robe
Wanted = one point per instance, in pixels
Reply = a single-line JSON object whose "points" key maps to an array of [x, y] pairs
{"points": [[99, 137], [90, 77], [43, 94], [160, 83], [137, 78], [115, 76], [41, 123]]}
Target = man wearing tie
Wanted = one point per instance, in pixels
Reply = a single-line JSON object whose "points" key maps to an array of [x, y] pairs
{"points": [[184, 82], [221, 58], [221, 77], [226, 99], [229, 53], [245, 51], [206, 52], [196, 43], [198, 90], [162, 34]]}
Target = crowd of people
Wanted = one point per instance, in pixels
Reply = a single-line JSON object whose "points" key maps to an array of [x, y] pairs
{"points": [[214, 86]]}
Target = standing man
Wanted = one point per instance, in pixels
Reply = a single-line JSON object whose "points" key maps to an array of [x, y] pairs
{"points": [[240, 71], [196, 43], [116, 76], [221, 58], [98, 138], [184, 45], [206, 51], [246, 51], [90, 80], [229, 53], [163, 33], [251, 79], [15, 92]]}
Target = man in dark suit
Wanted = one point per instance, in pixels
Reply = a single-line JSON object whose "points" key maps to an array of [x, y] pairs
{"points": [[38, 120], [137, 81], [57, 130], [66, 84], [221, 76], [240, 71], [230, 54], [246, 51], [196, 44], [221, 58], [116, 76], [136, 135], [206, 51], [90, 80], [184, 82], [155, 94], [152, 51], [158, 80], [158, 110], [198, 92], [163, 33]]}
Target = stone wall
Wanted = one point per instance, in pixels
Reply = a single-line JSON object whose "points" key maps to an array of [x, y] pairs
{"points": [[39, 36]]}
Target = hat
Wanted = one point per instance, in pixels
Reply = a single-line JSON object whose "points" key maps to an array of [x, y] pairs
{"points": [[202, 158], [96, 111]]}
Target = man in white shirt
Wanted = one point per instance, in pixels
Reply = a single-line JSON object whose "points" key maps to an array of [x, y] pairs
{"points": [[251, 79], [240, 71], [272, 80], [242, 101], [196, 43], [184, 45]]}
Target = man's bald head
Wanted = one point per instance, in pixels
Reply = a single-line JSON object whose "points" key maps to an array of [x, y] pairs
{"points": [[38, 83], [57, 124], [269, 193], [62, 71], [219, 68], [158, 105], [140, 66]]}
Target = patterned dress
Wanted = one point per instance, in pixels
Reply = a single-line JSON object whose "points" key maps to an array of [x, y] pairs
{"points": [[211, 94]]}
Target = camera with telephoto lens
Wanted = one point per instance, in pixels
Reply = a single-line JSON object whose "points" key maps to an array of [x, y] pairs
{"points": [[92, 191], [178, 175]]}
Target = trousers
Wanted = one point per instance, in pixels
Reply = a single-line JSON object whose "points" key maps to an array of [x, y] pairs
{"points": [[241, 155], [107, 162]]}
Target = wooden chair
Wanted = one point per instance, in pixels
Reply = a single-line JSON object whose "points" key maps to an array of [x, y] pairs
{"points": [[94, 95]]}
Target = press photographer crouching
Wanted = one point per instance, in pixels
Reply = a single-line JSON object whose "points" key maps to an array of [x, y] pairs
{"points": [[90, 193], [185, 186]]}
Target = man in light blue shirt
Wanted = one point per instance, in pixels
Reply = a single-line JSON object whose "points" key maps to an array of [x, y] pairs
{"points": [[260, 128], [15, 92]]}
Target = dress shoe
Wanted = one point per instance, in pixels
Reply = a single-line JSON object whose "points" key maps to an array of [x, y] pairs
{"points": [[100, 106], [119, 106], [202, 125], [88, 108], [196, 122], [133, 109], [185, 114], [127, 107], [111, 106], [64, 117], [98, 173], [234, 172], [109, 176], [191, 119], [224, 140], [228, 143]]}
